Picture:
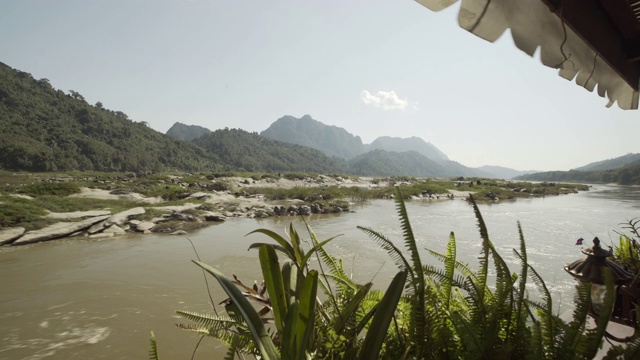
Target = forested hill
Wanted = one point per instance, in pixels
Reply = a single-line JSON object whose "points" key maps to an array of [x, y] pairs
{"points": [[610, 164], [44, 129], [180, 131], [407, 163], [391, 163], [241, 150], [627, 175]]}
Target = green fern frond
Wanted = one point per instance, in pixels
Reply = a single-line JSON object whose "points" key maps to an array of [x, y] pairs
{"points": [[209, 321], [536, 305], [336, 269], [440, 276], [484, 235], [546, 308], [470, 335], [521, 332], [231, 351], [499, 320], [418, 311], [449, 266], [153, 347], [461, 267], [536, 345], [392, 250], [464, 269], [573, 338]]}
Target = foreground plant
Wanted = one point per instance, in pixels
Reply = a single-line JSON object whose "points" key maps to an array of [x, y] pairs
{"points": [[426, 312]]}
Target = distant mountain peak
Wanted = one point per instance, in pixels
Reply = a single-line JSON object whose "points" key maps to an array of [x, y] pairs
{"points": [[306, 131], [412, 143]]}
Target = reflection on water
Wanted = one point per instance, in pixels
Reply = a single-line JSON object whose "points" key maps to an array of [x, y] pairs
{"points": [[80, 298]]}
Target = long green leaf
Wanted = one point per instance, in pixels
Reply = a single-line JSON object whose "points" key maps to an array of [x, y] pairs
{"points": [[279, 239], [289, 279], [351, 308], [261, 337], [275, 286], [306, 313], [305, 259], [297, 246], [275, 246], [382, 318], [289, 338]]}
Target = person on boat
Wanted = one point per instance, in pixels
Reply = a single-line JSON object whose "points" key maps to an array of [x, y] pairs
{"points": [[597, 250]]}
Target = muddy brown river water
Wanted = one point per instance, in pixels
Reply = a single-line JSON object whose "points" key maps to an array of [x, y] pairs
{"points": [[99, 299]]}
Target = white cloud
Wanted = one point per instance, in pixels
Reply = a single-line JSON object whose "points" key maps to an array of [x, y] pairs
{"points": [[387, 100]]}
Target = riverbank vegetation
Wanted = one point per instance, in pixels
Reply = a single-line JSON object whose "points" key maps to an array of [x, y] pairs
{"points": [[27, 197], [426, 312]]}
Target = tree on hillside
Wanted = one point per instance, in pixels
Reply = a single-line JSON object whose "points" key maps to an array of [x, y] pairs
{"points": [[76, 95]]}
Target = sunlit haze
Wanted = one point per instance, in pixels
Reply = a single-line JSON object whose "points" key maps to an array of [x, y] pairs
{"points": [[374, 68]]}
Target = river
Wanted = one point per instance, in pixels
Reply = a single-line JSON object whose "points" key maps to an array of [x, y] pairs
{"points": [[99, 299]]}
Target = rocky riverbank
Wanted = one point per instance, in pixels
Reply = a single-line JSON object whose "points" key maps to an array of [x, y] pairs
{"points": [[198, 209], [184, 203]]}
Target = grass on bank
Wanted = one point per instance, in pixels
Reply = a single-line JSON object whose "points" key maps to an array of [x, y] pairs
{"points": [[51, 190]]}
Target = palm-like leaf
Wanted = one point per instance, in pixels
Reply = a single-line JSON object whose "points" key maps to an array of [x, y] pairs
{"points": [[262, 339]]}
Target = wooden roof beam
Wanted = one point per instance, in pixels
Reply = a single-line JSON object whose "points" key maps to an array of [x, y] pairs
{"points": [[590, 20]]}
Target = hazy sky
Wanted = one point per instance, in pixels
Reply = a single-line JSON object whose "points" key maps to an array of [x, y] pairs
{"points": [[374, 68]]}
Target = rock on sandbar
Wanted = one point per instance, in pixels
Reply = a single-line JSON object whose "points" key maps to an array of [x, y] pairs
{"points": [[57, 230], [78, 214], [142, 226], [177, 208], [107, 195], [9, 235], [121, 217], [114, 229]]}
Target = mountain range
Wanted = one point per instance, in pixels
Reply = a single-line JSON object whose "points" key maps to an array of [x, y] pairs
{"points": [[47, 129], [385, 156], [336, 141], [623, 170]]}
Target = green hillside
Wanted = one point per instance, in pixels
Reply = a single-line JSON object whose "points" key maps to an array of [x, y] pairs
{"points": [[180, 131], [390, 163], [241, 150], [610, 164], [627, 175], [44, 129]]}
